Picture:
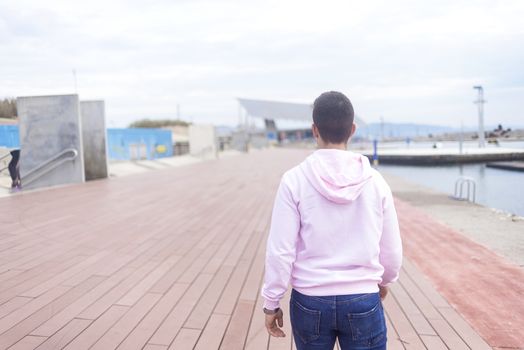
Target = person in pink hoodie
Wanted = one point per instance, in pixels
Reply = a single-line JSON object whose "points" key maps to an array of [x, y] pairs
{"points": [[335, 239]]}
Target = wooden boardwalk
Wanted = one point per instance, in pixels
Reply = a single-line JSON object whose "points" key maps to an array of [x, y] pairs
{"points": [[171, 259]]}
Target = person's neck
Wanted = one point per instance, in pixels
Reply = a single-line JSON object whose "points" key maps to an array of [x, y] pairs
{"points": [[339, 146]]}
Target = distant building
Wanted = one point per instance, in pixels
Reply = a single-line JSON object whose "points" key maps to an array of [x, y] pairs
{"points": [[139, 143], [272, 112], [9, 136]]}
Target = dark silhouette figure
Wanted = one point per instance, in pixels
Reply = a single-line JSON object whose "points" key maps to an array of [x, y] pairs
{"points": [[14, 168]]}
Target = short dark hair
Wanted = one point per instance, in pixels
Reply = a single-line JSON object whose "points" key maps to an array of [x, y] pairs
{"points": [[333, 115]]}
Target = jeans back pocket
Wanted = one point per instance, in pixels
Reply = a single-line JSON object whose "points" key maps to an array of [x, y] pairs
{"points": [[306, 322], [369, 327]]}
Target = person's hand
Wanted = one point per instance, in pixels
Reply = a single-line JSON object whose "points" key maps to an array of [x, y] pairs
{"points": [[274, 322], [383, 291]]}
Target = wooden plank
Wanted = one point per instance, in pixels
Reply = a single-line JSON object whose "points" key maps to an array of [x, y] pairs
{"points": [[463, 329], [425, 286], [155, 347], [92, 333], [33, 314], [110, 298], [407, 334], [12, 305], [150, 323], [169, 328], [394, 342], [213, 333], [433, 342], [412, 312], [418, 296], [119, 331], [236, 333], [186, 339], [236, 283], [6, 275], [21, 283], [257, 336], [34, 305], [448, 335], [162, 285], [143, 286], [65, 335], [62, 318], [252, 284], [28, 343], [227, 302], [202, 311]]}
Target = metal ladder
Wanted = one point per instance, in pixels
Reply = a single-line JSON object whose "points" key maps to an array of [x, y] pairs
{"points": [[471, 189]]}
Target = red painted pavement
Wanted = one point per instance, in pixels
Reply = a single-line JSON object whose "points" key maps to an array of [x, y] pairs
{"points": [[484, 287]]}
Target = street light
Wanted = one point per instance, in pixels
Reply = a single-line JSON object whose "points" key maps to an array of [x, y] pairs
{"points": [[480, 102]]}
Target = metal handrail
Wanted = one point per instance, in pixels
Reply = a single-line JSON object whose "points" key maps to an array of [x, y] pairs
{"points": [[2, 158], [459, 186], [50, 161], [7, 155]]}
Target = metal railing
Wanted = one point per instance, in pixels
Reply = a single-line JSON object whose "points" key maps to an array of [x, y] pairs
{"points": [[471, 189], [2, 158], [37, 172]]}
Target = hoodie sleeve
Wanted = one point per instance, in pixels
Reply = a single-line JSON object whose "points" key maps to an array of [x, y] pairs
{"points": [[281, 247], [390, 242]]}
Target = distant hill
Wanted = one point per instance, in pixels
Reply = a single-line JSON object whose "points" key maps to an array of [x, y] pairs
{"points": [[157, 123], [8, 108]]}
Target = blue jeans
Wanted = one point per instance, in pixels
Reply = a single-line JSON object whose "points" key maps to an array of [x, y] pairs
{"points": [[357, 320]]}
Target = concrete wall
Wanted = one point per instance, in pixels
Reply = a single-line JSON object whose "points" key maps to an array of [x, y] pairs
{"points": [[202, 142], [48, 126], [94, 139], [240, 141]]}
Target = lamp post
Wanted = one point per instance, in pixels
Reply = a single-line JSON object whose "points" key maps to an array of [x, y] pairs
{"points": [[480, 102]]}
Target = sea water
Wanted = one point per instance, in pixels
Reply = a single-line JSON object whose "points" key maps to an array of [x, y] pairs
{"points": [[495, 188]]}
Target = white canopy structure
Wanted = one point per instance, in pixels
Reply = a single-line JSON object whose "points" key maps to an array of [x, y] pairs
{"points": [[275, 110]]}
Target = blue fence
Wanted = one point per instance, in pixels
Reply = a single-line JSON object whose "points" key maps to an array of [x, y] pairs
{"points": [[123, 144], [9, 136]]}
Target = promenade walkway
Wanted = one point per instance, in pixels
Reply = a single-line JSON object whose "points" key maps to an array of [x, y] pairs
{"points": [[173, 259]]}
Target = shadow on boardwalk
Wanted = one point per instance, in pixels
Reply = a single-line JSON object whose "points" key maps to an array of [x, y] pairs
{"points": [[171, 261]]}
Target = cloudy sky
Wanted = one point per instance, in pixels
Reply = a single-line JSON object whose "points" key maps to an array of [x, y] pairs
{"points": [[407, 61]]}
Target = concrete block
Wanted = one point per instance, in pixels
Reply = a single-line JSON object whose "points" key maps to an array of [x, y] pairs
{"points": [[49, 127], [202, 141], [94, 137], [240, 141]]}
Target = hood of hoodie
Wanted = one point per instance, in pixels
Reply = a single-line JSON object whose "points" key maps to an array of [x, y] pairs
{"points": [[339, 176]]}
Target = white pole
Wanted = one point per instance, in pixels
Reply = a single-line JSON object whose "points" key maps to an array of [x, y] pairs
{"points": [[74, 78], [480, 102], [239, 115]]}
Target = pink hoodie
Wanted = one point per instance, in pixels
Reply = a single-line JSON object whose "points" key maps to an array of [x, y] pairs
{"points": [[334, 229]]}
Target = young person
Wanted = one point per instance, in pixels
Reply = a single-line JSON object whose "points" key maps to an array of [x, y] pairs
{"points": [[335, 237]]}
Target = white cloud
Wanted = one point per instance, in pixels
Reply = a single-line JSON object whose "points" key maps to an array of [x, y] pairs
{"points": [[406, 60]]}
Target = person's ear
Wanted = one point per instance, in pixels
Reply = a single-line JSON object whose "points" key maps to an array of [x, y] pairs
{"points": [[353, 129], [314, 129]]}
